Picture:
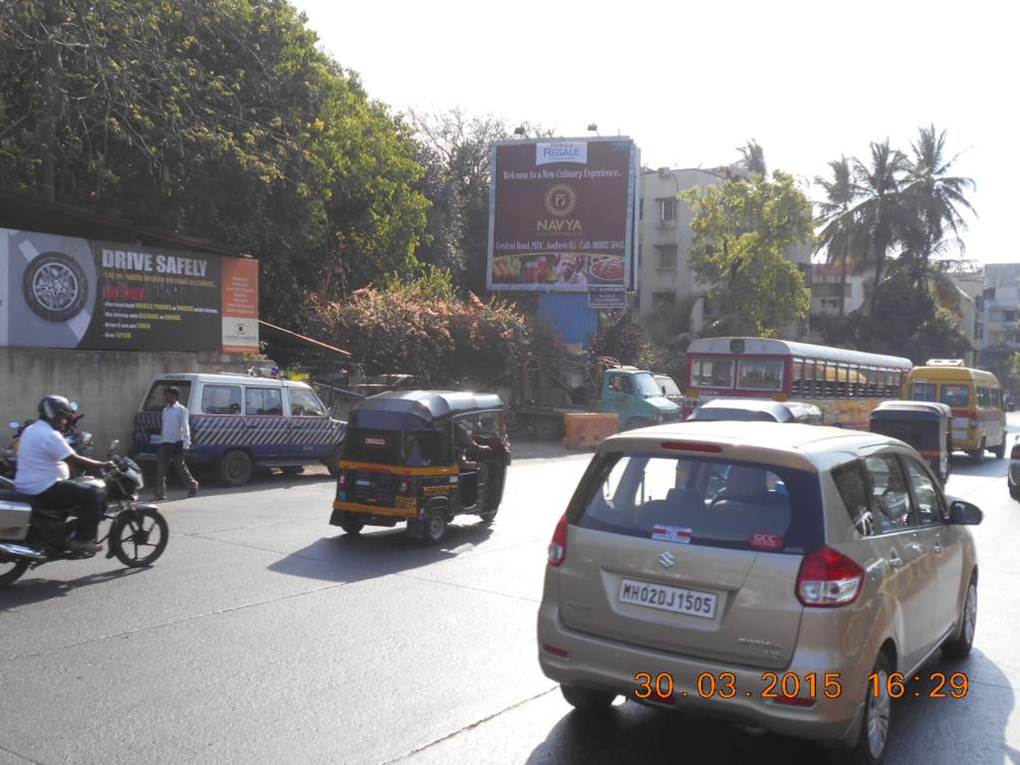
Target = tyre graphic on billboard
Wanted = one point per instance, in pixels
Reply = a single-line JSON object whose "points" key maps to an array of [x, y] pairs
{"points": [[55, 286]]}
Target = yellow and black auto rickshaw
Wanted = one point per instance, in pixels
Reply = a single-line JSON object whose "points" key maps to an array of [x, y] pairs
{"points": [[925, 425], [421, 457]]}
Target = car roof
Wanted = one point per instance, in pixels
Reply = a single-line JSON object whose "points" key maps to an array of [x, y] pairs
{"points": [[939, 373], [229, 378], [808, 447]]}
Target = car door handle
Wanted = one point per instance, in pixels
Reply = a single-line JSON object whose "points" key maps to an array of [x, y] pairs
{"points": [[895, 561]]}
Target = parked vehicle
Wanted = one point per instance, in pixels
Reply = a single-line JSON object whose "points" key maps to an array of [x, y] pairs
{"points": [[239, 423], [31, 534], [826, 556], [670, 389], [1013, 474], [549, 387], [757, 409], [422, 457], [844, 385], [927, 426], [976, 398]]}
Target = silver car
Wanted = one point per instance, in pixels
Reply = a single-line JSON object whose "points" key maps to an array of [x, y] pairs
{"points": [[788, 577]]}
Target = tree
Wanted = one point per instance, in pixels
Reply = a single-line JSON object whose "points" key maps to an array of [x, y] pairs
{"points": [[936, 200], [840, 235], [219, 119], [753, 158], [743, 231]]}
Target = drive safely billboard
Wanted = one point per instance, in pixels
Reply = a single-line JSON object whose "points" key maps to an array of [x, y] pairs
{"points": [[561, 214], [65, 292]]}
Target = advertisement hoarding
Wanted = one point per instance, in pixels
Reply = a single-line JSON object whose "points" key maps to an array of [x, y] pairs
{"points": [[66, 292], [561, 214]]}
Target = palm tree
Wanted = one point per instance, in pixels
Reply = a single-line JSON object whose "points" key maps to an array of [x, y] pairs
{"points": [[937, 200], [753, 158], [836, 216], [881, 215]]}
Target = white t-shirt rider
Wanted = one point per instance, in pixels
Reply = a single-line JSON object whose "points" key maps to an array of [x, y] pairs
{"points": [[41, 454]]}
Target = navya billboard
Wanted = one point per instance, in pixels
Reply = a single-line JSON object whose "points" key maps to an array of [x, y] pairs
{"points": [[65, 292], [561, 214]]}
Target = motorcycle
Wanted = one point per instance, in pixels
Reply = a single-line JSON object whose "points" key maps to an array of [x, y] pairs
{"points": [[31, 536], [79, 440]]}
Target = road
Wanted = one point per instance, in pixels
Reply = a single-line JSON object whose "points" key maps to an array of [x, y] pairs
{"points": [[263, 635]]}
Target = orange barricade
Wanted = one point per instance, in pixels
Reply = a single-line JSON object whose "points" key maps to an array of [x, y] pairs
{"points": [[586, 431]]}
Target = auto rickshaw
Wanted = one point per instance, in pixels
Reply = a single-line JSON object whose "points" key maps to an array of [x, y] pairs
{"points": [[421, 457], [925, 425]]}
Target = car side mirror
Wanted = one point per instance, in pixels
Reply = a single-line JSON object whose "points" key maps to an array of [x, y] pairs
{"points": [[964, 513]]}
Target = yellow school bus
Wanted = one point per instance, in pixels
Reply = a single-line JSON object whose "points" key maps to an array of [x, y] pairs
{"points": [[979, 414]]}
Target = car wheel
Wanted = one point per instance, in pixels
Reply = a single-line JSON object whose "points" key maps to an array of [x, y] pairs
{"points": [[236, 468], [587, 700], [1014, 492], [959, 645], [869, 748]]}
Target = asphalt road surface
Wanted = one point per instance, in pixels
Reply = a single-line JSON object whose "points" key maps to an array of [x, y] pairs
{"points": [[265, 635]]}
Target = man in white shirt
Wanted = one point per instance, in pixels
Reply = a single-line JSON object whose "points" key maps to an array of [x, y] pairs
{"points": [[174, 442], [43, 459]]}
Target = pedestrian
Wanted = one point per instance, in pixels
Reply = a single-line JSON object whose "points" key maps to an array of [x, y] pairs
{"points": [[175, 441]]}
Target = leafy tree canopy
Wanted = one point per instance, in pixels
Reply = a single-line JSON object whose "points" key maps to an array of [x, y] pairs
{"points": [[743, 230]]}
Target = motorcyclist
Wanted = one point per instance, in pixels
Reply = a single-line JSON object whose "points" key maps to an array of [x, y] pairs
{"points": [[43, 459]]}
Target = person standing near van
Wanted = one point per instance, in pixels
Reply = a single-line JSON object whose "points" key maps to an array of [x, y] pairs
{"points": [[175, 441]]}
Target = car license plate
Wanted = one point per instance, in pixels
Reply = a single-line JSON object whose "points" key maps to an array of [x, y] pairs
{"points": [[677, 600]]}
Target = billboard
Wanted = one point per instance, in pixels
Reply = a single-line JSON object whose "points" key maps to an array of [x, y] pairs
{"points": [[65, 292], [561, 214]]}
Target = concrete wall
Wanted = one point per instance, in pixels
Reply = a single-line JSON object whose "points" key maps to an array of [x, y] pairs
{"points": [[108, 386]]}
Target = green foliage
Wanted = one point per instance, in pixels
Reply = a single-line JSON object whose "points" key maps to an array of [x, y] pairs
{"points": [[914, 324], [216, 118], [742, 231], [421, 329]]}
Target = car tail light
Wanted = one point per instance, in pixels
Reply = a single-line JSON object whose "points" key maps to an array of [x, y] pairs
{"points": [[341, 481], [555, 650], [558, 545], [828, 579]]}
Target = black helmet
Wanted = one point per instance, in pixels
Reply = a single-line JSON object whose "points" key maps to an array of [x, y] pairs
{"points": [[53, 407]]}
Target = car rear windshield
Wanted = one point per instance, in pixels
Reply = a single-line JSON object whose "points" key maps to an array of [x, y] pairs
{"points": [[698, 501], [155, 402]]}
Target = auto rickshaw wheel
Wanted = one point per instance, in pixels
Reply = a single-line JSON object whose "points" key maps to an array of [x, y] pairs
{"points": [[351, 526], [430, 529], [488, 516]]}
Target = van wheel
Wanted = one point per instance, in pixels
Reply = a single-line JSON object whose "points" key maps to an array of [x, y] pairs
{"points": [[869, 748], [1000, 450], [959, 645], [587, 700], [236, 468], [978, 455]]}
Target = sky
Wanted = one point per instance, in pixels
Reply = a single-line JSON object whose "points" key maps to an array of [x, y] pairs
{"points": [[690, 82]]}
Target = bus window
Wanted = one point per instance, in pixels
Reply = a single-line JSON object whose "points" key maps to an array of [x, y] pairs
{"points": [[713, 373], [760, 374], [923, 391], [797, 388], [956, 395], [809, 377], [843, 380]]}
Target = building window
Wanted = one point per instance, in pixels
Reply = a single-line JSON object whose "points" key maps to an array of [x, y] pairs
{"points": [[666, 256], [828, 290], [667, 209]]}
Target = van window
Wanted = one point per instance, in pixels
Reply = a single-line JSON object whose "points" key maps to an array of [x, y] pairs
{"points": [[956, 395], [923, 391], [983, 399], [263, 401], [154, 401], [304, 403], [221, 399], [713, 503]]}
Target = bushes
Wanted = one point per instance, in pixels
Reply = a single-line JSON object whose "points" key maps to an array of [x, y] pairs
{"points": [[422, 328]]}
